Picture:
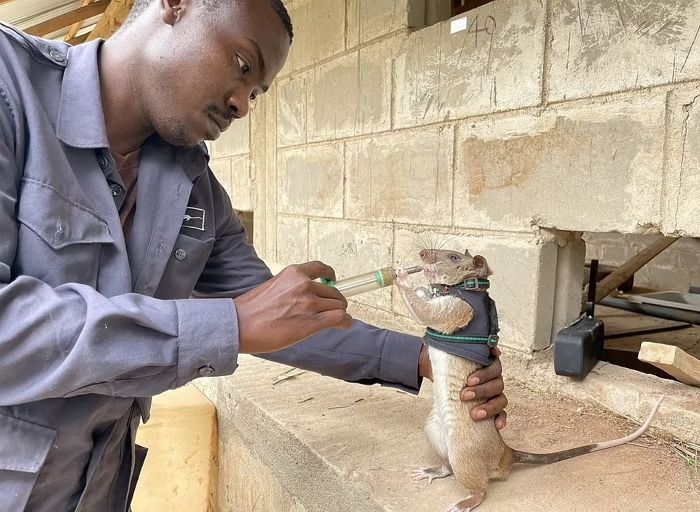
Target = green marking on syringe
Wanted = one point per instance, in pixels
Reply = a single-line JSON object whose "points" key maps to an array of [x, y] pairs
{"points": [[379, 278]]}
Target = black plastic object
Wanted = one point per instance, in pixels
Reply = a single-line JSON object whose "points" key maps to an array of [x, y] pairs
{"points": [[578, 347]]}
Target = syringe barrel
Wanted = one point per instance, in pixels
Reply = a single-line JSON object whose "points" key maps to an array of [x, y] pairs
{"points": [[366, 282]]}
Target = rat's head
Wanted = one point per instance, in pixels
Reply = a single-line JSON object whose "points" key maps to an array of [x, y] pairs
{"points": [[202, 62], [442, 266]]}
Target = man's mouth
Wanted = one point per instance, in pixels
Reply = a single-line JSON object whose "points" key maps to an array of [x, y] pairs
{"points": [[222, 123]]}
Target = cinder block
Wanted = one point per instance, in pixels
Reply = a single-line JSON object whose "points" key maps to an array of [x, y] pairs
{"points": [[353, 248], [681, 207], [234, 141], [310, 180], [570, 260], [334, 98], [404, 176], [221, 167], [242, 187], [319, 32], [493, 65], [599, 47], [369, 19], [589, 166], [292, 240], [292, 109], [522, 284]]}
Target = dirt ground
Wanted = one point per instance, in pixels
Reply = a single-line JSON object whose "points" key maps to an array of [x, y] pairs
{"points": [[646, 475]]}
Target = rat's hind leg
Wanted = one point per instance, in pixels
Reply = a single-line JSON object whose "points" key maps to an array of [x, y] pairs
{"points": [[469, 503], [434, 431], [431, 473]]}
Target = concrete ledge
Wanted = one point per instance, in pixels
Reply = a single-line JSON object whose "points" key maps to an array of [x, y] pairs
{"points": [[311, 443]]}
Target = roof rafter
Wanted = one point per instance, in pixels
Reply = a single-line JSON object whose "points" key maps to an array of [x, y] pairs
{"points": [[75, 16]]}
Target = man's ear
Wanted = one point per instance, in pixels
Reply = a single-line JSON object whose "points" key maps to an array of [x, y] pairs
{"points": [[482, 268], [171, 10]]}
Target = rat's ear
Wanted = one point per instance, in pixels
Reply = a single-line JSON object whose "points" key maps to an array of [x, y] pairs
{"points": [[466, 253], [481, 267]]}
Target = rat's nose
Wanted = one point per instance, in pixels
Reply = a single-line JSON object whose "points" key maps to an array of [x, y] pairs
{"points": [[427, 256]]}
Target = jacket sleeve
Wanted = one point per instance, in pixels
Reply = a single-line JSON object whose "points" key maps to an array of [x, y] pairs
{"points": [[70, 340], [364, 353]]}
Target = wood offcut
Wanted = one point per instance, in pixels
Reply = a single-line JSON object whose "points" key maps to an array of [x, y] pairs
{"points": [[673, 360]]}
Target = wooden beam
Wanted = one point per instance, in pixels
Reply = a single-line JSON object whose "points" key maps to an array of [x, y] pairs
{"points": [[672, 360], [627, 269], [73, 30], [77, 40], [74, 16], [113, 18]]}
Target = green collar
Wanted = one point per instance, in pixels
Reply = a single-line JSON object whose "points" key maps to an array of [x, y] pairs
{"points": [[475, 284], [491, 340]]}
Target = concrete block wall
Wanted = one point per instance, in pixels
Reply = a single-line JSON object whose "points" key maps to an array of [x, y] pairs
{"points": [[542, 120]]}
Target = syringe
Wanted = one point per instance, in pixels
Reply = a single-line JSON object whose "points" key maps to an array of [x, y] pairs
{"points": [[367, 282]]}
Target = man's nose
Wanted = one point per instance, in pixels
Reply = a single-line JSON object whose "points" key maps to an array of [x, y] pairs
{"points": [[238, 104]]}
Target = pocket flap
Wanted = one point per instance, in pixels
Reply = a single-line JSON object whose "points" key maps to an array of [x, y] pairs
{"points": [[23, 445], [56, 219]]}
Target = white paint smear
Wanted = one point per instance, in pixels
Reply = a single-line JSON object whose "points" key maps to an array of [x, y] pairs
{"points": [[458, 25]]}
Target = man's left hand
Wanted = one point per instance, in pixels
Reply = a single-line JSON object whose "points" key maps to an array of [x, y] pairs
{"points": [[484, 384]]}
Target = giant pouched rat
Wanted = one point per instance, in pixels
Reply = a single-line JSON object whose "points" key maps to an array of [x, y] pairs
{"points": [[462, 326]]}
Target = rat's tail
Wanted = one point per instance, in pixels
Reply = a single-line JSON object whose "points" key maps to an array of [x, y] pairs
{"points": [[548, 458]]}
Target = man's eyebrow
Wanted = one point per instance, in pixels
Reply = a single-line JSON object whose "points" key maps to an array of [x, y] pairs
{"points": [[261, 60]]}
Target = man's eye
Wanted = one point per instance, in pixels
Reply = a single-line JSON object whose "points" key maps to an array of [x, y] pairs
{"points": [[244, 67]]}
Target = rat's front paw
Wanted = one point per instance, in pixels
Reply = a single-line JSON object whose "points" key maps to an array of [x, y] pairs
{"points": [[402, 278]]}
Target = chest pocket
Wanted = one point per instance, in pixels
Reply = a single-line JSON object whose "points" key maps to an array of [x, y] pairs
{"points": [[186, 263], [59, 241]]}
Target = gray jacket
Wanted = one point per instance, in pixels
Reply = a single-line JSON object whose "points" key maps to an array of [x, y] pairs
{"points": [[92, 325]]}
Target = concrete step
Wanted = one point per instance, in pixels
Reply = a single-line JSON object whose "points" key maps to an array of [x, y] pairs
{"points": [[311, 443]]}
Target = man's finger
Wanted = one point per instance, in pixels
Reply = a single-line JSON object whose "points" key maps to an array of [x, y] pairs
{"points": [[487, 390], [490, 409], [328, 292], [316, 270], [492, 371], [501, 420]]}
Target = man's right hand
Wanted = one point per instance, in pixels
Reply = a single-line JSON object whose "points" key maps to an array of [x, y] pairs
{"points": [[289, 308]]}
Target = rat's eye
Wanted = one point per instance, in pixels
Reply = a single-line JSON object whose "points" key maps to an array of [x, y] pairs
{"points": [[243, 65], [454, 257]]}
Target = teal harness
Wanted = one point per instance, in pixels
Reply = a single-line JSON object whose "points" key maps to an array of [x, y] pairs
{"points": [[474, 340]]}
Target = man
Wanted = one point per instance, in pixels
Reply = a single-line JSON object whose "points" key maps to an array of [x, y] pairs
{"points": [[100, 161]]}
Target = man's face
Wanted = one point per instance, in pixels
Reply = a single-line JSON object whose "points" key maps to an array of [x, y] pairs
{"points": [[204, 70]]}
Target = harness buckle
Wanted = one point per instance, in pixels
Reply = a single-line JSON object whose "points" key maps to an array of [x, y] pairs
{"points": [[471, 284], [492, 340]]}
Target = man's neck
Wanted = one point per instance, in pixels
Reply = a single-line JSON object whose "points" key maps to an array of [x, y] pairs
{"points": [[125, 122]]}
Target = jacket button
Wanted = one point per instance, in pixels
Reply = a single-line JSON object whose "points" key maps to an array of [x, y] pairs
{"points": [[57, 56], [102, 161], [116, 189], [206, 371], [180, 254]]}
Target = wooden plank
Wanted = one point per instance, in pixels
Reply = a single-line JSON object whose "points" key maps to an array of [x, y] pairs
{"points": [[64, 20], [77, 40], [673, 361], [113, 18], [73, 30], [627, 269]]}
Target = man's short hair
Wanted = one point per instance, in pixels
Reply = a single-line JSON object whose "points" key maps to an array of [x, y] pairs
{"points": [[277, 5]]}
